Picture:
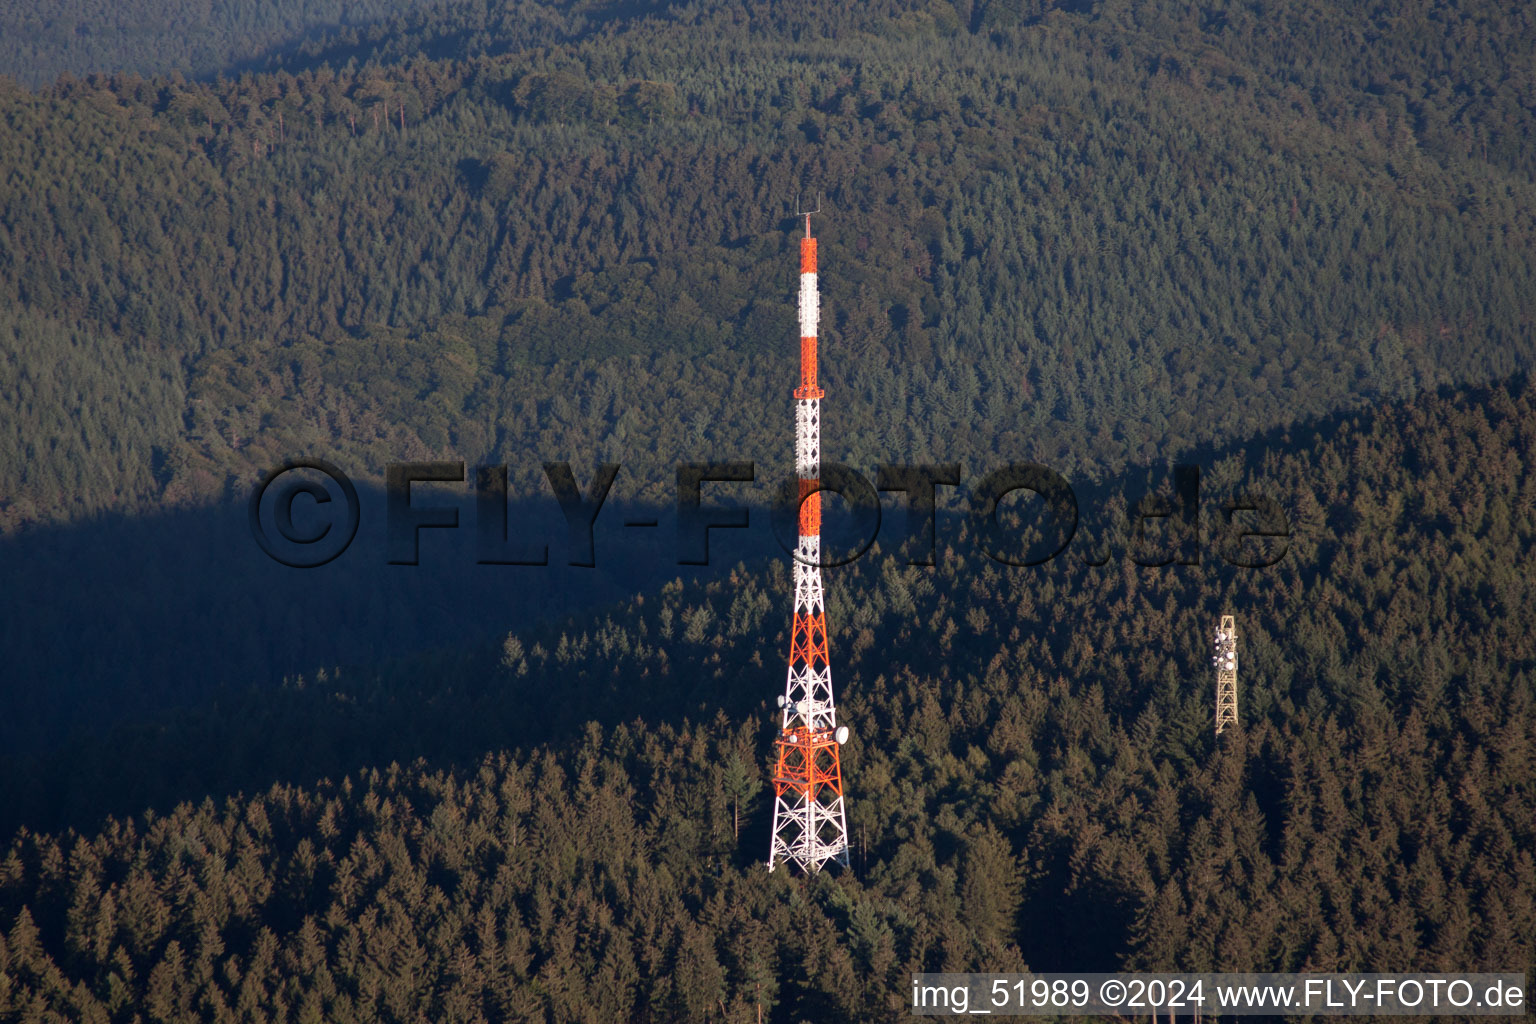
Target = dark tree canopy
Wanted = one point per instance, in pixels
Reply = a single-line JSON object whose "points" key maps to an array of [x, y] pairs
{"points": [[1291, 243]]}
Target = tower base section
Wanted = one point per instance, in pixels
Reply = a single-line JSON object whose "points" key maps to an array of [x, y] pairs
{"points": [[810, 825]]}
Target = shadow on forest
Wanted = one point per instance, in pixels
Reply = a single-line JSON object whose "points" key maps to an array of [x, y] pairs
{"points": [[165, 657], [144, 654]]}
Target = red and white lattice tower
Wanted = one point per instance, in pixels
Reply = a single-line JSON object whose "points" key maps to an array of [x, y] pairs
{"points": [[810, 822]]}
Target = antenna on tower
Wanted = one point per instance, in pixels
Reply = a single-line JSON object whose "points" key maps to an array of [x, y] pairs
{"points": [[802, 212], [1226, 673]]}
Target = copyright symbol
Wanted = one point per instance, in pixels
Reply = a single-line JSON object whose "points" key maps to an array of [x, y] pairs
{"points": [[311, 545], [1112, 992]]}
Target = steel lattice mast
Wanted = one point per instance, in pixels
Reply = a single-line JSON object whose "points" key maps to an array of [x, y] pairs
{"points": [[810, 822], [1226, 673]]}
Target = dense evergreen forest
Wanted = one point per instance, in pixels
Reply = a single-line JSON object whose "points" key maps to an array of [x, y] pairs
{"points": [[1087, 237], [1079, 235], [1032, 774], [1291, 242], [39, 40]]}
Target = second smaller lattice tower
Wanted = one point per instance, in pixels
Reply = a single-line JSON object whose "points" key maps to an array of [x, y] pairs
{"points": [[1226, 673]]}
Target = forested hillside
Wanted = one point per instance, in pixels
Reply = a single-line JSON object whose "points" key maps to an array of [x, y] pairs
{"points": [[1032, 781], [1078, 235], [1292, 243], [1090, 237], [42, 40]]}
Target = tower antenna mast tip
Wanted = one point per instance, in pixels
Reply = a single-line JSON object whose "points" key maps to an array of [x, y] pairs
{"points": [[800, 212]]}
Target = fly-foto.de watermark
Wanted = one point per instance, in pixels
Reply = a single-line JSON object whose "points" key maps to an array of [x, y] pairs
{"points": [[1143, 995], [305, 513]]}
